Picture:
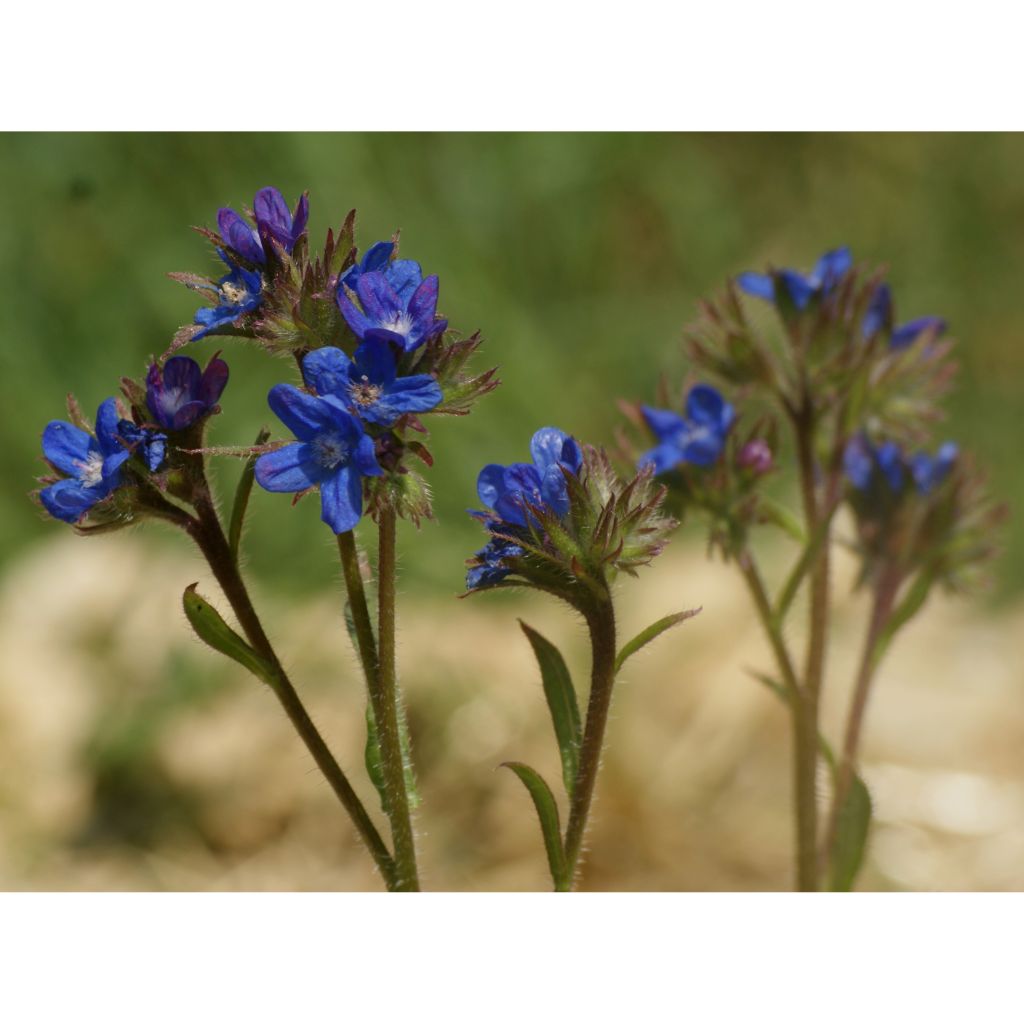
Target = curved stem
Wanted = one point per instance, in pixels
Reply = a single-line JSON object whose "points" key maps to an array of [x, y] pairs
{"points": [[601, 623], [407, 878], [769, 622], [207, 532]]}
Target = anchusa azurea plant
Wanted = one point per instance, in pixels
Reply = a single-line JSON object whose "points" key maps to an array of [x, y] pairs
{"points": [[853, 395], [567, 525], [372, 357]]}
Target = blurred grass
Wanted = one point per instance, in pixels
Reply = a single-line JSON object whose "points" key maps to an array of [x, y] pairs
{"points": [[579, 256]]}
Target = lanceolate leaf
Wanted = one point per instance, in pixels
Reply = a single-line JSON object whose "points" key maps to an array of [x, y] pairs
{"points": [[211, 628], [561, 697], [547, 812], [372, 757], [652, 632], [852, 828]]}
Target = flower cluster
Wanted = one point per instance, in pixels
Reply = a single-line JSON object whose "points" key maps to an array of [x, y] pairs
{"points": [[697, 438]]}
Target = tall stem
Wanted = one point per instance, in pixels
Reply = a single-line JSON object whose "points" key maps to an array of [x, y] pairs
{"points": [[387, 717], [601, 623], [881, 609], [209, 535]]}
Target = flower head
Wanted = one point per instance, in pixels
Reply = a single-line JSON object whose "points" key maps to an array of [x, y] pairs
{"points": [[273, 220], [755, 455], [394, 308], [332, 452], [878, 317], [404, 276], [509, 490], [367, 384], [491, 565], [181, 393], [697, 438], [238, 292], [150, 444], [800, 288], [868, 466], [91, 464]]}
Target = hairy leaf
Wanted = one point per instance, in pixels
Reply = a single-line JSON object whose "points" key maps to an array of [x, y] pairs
{"points": [[652, 632], [547, 812]]}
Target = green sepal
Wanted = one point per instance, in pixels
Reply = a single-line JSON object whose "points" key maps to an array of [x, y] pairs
{"points": [[561, 697], [652, 632], [852, 827], [547, 813], [211, 628], [242, 492]]}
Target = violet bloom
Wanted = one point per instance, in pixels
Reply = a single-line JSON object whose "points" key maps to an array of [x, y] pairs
{"points": [[878, 316], [405, 276], [492, 567], [181, 393], [929, 471], [239, 292], [800, 288], [332, 452], [697, 438], [408, 321], [756, 456], [91, 465], [273, 220], [508, 490], [367, 384]]}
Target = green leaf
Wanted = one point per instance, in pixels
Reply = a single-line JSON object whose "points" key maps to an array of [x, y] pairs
{"points": [[652, 632], [911, 604], [779, 515], [561, 697], [852, 827], [411, 792], [374, 765], [547, 812], [211, 628], [241, 502]]}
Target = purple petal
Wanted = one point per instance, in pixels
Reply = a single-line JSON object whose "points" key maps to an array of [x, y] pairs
{"points": [[240, 235], [184, 416], [423, 303], [183, 375], [271, 210], [354, 316], [66, 447], [300, 217], [292, 468], [341, 500], [213, 382], [326, 371], [380, 303]]}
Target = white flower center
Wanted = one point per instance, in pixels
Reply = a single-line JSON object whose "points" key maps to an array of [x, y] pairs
{"points": [[330, 450], [91, 470], [363, 393], [400, 324], [235, 295]]}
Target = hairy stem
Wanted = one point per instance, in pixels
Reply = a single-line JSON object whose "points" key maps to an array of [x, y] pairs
{"points": [[601, 623], [388, 716], [208, 534]]}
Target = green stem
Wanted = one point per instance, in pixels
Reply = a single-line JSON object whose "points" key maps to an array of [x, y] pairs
{"points": [[207, 532], [388, 717], [601, 624], [366, 643], [769, 622]]}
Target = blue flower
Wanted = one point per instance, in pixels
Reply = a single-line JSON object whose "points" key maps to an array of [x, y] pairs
{"points": [[697, 438], [181, 393], [273, 220], [865, 463], [508, 490], [491, 566], [405, 276], [878, 316], [800, 288], [144, 441], [332, 453], [91, 465], [367, 384], [408, 319], [238, 292]]}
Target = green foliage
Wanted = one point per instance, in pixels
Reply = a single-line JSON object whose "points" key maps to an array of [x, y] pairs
{"points": [[547, 812]]}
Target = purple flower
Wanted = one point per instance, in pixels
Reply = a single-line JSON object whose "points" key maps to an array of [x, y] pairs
{"points": [[878, 317], [273, 220], [367, 384], [509, 489], [800, 288], [490, 567], [181, 393], [150, 444], [756, 456], [697, 438], [91, 465], [408, 318], [405, 276], [332, 452], [239, 292]]}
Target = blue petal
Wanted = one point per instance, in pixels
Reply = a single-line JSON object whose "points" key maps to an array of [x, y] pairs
{"points": [[67, 447], [905, 336], [68, 500], [761, 286], [377, 256], [292, 468], [380, 303], [364, 458], [702, 446], [664, 424], [341, 500], [405, 277], [831, 267], [890, 462], [555, 490], [664, 457], [705, 405], [303, 414], [490, 484], [799, 288], [423, 302], [111, 474], [354, 317], [857, 462], [375, 359], [878, 315], [326, 371], [546, 447], [418, 393], [240, 235], [107, 420], [272, 211]]}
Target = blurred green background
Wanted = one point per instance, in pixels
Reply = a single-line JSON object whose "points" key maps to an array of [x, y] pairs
{"points": [[580, 258], [132, 757]]}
